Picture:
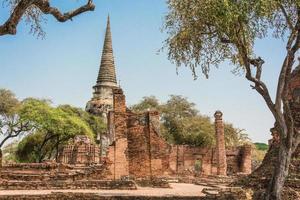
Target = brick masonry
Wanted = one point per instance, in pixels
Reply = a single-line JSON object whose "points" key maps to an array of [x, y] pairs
{"points": [[220, 144], [81, 151], [295, 105], [139, 151]]}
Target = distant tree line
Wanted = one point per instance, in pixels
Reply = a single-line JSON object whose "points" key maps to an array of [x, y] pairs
{"points": [[182, 123]]}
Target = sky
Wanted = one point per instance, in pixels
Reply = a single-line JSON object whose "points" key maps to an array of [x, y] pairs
{"points": [[64, 65]]}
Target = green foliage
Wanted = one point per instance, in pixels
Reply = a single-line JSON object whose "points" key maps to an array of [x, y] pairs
{"points": [[11, 124], [147, 104], [198, 165], [53, 126], [9, 104], [235, 136], [261, 146], [259, 151], [196, 131], [178, 107], [53, 120], [8, 153], [95, 123], [28, 150], [207, 32], [181, 123]]}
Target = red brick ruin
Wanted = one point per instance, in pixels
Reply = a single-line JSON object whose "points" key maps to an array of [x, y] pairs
{"points": [[138, 150], [80, 151]]}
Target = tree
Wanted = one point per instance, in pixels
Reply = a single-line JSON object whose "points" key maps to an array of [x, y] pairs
{"points": [[208, 32], [96, 123], [148, 103], [28, 149], [234, 136], [32, 11], [8, 152], [181, 123], [11, 124], [53, 125]]}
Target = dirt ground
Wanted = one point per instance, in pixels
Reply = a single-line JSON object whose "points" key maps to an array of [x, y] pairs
{"points": [[177, 189]]}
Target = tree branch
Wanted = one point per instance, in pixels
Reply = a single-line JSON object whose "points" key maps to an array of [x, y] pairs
{"points": [[10, 26], [12, 133], [287, 18], [260, 86], [45, 7]]}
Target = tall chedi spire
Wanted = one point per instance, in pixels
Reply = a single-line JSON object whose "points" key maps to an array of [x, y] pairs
{"points": [[102, 101], [107, 72]]}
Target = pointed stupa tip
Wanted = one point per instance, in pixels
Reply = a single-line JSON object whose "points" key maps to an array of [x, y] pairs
{"points": [[107, 71]]}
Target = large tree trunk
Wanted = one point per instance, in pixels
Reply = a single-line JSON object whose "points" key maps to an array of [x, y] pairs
{"points": [[280, 173]]}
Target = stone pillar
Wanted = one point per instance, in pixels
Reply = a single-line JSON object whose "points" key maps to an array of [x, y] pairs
{"points": [[220, 144], [246, 159]]}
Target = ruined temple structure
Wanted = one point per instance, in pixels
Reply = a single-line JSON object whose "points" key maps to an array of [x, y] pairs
{"points": [[138, 150], [135, 146], [101, 102], [80, 151]]}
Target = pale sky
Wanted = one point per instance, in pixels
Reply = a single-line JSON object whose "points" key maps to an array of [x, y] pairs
{"points": [[63, 67]]}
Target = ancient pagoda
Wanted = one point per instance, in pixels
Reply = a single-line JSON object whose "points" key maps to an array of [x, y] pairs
{"points": [[102, 100]]}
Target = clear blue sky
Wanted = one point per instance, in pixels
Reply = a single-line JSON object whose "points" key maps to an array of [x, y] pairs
{"points": [[63, 67]]}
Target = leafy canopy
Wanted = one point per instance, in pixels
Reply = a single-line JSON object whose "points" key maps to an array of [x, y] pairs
{"points": [[53, 120], [181, 123], [9, 104], [207, 32], [53, 128], [11, 124]]}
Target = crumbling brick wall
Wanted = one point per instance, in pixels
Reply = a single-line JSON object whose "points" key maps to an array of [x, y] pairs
{"points": [[159, 148], [80, 152], [140, 151], [138, 141], [118, 128], [183, 159]]}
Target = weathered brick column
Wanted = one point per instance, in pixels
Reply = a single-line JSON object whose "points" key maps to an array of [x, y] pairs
{"points": [[246, 159], [220, 144], [121, 165]]}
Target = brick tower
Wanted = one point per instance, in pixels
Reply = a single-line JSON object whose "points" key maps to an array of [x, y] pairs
{"points": [[102, 100]]}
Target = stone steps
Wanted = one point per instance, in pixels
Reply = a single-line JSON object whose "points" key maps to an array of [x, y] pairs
{"points": [[59, 185]]}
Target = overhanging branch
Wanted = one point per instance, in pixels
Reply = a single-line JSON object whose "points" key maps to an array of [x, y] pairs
{"points": [[10, 26], [45, 7]]}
